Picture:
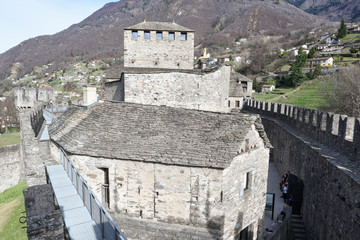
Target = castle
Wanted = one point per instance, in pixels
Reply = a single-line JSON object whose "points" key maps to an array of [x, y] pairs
{"points": [[192, 168], [190, 172]]}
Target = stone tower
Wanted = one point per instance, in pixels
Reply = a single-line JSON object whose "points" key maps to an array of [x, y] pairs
{"points": [[158, 45]]}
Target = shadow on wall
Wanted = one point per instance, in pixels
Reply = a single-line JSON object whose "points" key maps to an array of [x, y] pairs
{"points": [[215, 223]]}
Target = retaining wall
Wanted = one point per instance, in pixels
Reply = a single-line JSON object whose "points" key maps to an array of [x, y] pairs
{"points": [[11, 171]]}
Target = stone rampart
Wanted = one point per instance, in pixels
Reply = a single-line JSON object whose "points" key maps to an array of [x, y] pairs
{"points": [[336, 131], [37, 120], [31, 97], [11, 170], [304, 142]]}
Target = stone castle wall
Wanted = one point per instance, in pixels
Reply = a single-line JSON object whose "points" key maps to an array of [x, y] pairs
{"points": [[185, 90], [153, 53], [336, 131], [11, 168], [305, 143], [31, 97]]}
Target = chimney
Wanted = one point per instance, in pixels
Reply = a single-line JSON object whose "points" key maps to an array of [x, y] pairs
{"points": [[90, 96]]}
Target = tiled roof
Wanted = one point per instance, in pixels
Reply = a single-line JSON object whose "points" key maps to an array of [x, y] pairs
{"points": [[159, 26], [147, 133]]}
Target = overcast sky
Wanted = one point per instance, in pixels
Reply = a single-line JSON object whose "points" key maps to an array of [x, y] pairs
{"points": [[24, 19]]}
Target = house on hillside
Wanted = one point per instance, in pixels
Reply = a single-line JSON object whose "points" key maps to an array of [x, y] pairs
{"points": [[267, 88], [326, 39], [353, 29], [330, 48], [322, 61]]}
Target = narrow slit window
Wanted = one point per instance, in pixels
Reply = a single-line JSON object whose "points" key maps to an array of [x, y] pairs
{"points": [[183, 36], [171, 36], [135, 34], [247, 181], [159, 35], [147, 34], [237, 103]]}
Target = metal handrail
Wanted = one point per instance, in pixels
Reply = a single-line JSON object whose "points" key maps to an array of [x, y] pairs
{"points": [[70, 170]]}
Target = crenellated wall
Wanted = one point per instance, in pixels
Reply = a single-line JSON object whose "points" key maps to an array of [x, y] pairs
{"points": [[37, 120], [322, 150], [336, 131]]}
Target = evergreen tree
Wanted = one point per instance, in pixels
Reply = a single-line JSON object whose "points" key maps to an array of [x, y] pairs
{"points": [[312, 52], [297, 76], [317, 71], [255, 85], [342, 31]]}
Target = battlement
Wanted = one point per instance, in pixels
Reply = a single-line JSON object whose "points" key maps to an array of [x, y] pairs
{"points": [[336, 131], [30, 97]]}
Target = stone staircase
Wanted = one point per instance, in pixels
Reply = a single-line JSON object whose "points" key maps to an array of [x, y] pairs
{"points": [[298, 227]]}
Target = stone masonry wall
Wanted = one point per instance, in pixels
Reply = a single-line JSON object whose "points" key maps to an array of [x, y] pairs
{"points": [[153, 53], [305, 143], [35, 154], [336, 131], [208, 198], [193, 91], [11, 168]]}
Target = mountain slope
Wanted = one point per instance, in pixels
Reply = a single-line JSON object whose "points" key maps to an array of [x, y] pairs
{"points": [[100, 35], [333, 9]]}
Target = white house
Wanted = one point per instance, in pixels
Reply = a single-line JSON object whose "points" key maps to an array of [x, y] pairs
{"points": [[322, 61]]}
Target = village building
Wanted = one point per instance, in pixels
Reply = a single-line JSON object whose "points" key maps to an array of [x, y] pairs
{"points": [[353, 29], [267, 88], [177, 168], [322, 61], [330, 48], [326, 39]]}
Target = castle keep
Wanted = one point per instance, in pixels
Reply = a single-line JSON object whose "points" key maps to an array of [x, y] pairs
{"points": [[159, 70], [158, 45]]}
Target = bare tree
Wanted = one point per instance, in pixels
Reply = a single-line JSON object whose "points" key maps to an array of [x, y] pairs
{"points": [[9, 115], [342, 91]]}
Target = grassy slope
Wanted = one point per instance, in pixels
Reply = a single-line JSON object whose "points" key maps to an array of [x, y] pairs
{"points": [[307, 95], [11, 206], [10, 139]]}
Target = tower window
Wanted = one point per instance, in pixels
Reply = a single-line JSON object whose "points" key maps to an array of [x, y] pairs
{"points": [[147, 34], [171, 36], [134, 34], [159, 35], [183, 36]]}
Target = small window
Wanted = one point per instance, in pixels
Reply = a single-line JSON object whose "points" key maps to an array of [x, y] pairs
{"points": [[159, 35], [237, 104], [228, 103], [183, 36], [247, 181], [134, 34], [171, 36], [147, 35]]}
